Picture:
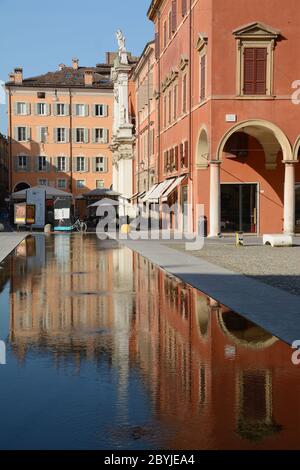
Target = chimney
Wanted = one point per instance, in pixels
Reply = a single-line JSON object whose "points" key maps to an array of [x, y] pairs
{"points": [[12, 77], [61, 66], [88, 77], [18, 75], [75, 63]]}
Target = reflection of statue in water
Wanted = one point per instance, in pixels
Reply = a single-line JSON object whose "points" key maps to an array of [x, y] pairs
{"points": [[122, 47]]}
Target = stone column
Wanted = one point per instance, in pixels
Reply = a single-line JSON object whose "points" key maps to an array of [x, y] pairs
{"points": [[215, 199], [289, 198]]}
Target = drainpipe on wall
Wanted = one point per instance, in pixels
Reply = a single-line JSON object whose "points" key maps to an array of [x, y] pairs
{"points": [[149, 123], [10, 145], [71, 142], [190, 116], [159, 102]]}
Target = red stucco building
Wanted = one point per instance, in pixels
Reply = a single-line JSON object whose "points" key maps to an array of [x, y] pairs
{"points": [[226, 119]]}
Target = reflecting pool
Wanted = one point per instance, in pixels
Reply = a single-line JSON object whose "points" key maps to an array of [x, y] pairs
{"points": [[106, 351]]}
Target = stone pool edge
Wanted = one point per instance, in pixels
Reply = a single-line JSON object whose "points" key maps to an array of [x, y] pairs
{"points": [[273, 309]]}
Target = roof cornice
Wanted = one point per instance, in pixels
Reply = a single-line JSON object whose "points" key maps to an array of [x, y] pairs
{"points": [[155, 4]]}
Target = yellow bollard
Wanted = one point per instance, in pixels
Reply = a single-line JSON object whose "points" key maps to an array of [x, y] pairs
{"points": [[239, 239], [125, 228]]}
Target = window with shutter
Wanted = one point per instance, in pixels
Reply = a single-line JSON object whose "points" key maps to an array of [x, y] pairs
{"points": [[174, 15], [170, 107], [176, 158], [202, 77], [184, 92], [157, 48], [186, 154], [255, 71], [175, 101], [165, 33], [170, 28]]}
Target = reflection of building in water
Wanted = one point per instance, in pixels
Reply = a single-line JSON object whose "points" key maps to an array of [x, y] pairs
{"points": [[214, 378], [62, 298], [210, 370]]}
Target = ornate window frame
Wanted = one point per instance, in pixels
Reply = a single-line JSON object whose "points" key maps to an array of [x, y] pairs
{"points": [[255, 35], [201, 46]]}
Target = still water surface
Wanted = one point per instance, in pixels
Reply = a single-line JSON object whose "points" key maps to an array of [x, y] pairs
{"points": [[106, 351]]}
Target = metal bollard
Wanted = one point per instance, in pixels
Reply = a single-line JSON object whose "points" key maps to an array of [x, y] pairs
{"points": [[239, 239]]}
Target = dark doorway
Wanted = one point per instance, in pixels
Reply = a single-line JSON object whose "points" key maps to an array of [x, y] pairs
{"points": [[239, 208], [297, 191], [21, 187]]}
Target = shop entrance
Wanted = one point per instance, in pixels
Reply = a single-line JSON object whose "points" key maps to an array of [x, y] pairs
{"points": [[239, 203]]}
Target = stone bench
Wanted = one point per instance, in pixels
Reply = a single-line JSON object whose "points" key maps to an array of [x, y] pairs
{"points": [[278, 240]]}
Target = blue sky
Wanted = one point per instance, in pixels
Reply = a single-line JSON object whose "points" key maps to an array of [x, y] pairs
{"points": [[38, 38]]}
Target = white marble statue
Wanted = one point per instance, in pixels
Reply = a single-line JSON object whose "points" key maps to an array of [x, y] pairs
{"points": [[121, 41], [122, 47]]}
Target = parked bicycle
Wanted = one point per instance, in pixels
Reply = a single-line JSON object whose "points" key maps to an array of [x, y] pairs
{"points": [[80, 226]]}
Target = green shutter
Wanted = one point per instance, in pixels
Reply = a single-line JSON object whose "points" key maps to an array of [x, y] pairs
{"points": [[74, 162], [48, 164], [86, 136], [28, 163]]}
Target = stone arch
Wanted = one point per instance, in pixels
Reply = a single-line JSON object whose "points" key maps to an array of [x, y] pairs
{"points": [[262, 130], [243, 332], [202, 149], [20, 186]]}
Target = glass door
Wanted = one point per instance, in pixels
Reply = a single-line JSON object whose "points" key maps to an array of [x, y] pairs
{"points": [[239, 208], [297, 191]]}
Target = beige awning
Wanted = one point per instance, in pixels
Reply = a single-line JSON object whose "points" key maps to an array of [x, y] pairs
{"points": [[148, 193], [159, 190], [172, 187]]}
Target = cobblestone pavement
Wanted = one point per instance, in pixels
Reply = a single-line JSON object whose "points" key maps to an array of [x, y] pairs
{"points": [[279, 267]]}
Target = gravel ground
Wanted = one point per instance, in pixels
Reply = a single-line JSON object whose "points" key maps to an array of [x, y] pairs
{"points": [[279, 267]]}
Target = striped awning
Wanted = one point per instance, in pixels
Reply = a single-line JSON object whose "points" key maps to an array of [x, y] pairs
{"points": [[172, 187], [160, 189]]}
